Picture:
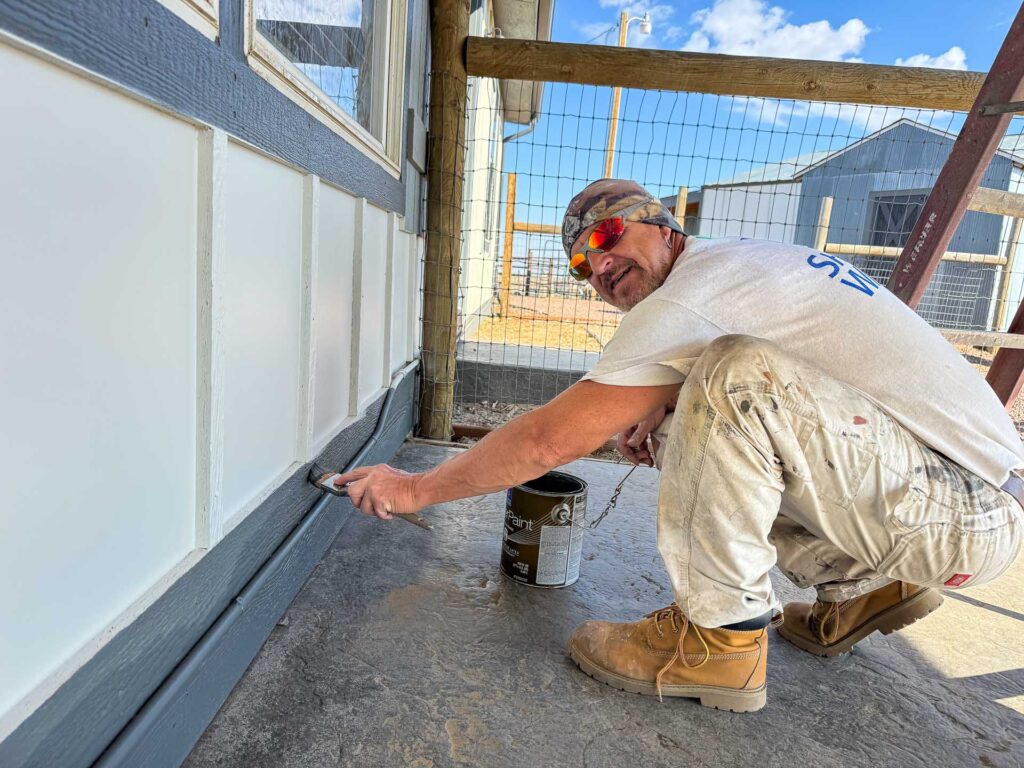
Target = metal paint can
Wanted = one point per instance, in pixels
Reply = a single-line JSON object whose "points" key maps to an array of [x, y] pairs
{"points": [[543, 537]]}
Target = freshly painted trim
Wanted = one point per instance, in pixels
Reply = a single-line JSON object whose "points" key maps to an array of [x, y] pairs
{"points": [[21, 711], [170, 723], [212, 245], [389, 296], [307, 342], [359, 232], [200, 14], [269, 63], [75, 724]]}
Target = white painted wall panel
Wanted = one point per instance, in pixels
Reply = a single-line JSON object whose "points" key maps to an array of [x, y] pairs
{"points": [[372, 304], [416, 291], [401, 301], [97, 360], [262, 325], [333, 312], [763, 211]]}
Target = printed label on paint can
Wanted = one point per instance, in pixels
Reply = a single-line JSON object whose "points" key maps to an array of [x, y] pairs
{"points": [[542, 543], [553, 555]]}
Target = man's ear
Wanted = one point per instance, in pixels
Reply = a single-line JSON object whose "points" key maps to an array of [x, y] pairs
{"points": [[666, 234]]}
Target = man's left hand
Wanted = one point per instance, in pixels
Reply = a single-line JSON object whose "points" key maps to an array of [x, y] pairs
{"points": [[382, 490]]}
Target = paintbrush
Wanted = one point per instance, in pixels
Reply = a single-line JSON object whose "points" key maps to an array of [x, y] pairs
{"points": [[324, 480]]}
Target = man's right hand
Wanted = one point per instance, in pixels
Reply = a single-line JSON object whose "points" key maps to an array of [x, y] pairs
{"points": [[633, 443]]}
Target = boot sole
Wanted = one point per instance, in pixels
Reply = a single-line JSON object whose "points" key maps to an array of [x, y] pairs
{"points": [[901, 615], [728, 699]]}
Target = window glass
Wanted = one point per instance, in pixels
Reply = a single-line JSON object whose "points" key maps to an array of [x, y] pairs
{"points": [[336, 44], [894, 218]]}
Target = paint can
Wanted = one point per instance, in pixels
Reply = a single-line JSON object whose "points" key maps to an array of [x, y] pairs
{"points": [[543, 537]]}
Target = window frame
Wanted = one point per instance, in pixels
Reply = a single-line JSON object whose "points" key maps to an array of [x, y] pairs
{"points": [[201, 15], [876, 197], [272, 65]]}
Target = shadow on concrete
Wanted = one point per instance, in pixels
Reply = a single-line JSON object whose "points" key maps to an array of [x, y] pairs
{"points": [[407, 648]]}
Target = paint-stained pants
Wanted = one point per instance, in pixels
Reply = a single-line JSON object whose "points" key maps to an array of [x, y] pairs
{"points": [[769, 461]]}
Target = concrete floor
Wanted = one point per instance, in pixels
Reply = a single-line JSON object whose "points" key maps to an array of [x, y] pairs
{"points": [[408, 648]]}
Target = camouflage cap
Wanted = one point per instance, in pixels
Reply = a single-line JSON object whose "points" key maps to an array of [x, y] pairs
{"points": [[610, 197]]}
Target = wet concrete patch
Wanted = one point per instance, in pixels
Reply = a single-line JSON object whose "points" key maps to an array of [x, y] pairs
{"points": [[408, 648]]}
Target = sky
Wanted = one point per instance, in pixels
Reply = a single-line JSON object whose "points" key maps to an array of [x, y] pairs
{"points": [[949, 33], [672, 140]]}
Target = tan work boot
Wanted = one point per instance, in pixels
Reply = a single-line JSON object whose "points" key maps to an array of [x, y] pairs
{"points": [[829, 629], [665, 654]]}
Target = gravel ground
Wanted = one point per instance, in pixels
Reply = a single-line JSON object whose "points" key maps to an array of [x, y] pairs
{"points": [[495, 414]]}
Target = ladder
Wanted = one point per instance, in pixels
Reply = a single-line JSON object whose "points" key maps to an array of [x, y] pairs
{"points": [[1001, 96]]}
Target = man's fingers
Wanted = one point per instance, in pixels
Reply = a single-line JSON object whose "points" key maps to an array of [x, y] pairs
{"points": [[351, 477]]}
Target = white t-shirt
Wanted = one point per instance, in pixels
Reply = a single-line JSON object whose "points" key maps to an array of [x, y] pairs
{"points": [[829, 313]]}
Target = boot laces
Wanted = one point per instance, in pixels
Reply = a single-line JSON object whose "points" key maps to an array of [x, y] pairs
{"points": [[681, 624], [827, 625]]}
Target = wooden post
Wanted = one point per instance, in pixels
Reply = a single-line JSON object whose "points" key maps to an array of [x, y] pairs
{"points": [[529, 271], [681, 206], [1007, 272], [505, 305], [449, 25], [961, 174], [824, 218], [613, 124]]}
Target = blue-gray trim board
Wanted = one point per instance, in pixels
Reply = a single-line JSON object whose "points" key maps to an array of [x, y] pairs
{"points": [[148, 694], [146, 48]]}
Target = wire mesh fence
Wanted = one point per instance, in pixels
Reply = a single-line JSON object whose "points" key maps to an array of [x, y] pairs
{"points": [[848, 179]]}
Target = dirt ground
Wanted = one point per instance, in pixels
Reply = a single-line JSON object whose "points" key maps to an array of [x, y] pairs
{"points": [[496, 414], [552, 321]]}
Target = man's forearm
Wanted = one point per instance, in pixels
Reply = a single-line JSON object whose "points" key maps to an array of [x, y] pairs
{"points": [[572, 425], [506, 457]]}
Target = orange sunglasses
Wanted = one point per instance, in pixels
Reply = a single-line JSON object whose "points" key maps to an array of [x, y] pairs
{"points": [[604, 237]]}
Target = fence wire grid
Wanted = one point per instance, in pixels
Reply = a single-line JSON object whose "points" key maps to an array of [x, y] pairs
{"points": [[850, 177]]}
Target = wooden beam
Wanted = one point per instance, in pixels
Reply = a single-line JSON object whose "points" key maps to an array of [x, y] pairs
{"points": [[680, 213], [891, 252], [536, 229], [449, 24], [1005, 375], [997, 201], [984, 338], [510, 230], [718, 73], [824, 219], [962, 172]]}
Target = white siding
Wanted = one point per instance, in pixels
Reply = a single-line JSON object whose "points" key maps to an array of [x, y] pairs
{"points": [[333, 312], [176, 327], [97, 360], [483, 188], [374, 257], [401, 263], [262, 296], [762, 211]]}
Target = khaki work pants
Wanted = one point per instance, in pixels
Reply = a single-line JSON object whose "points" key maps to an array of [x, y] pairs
{"points": [[769, 461]]}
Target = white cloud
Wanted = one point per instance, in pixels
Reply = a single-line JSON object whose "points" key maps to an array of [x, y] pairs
{"points": [[673, 33], [823, 118], [752, 28], [954, 58]]}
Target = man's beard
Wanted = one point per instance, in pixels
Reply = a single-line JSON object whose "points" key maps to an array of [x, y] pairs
{"points": [[644, 284]]}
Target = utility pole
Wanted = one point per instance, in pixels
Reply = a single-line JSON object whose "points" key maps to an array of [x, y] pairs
{"points": [[613, 125]]}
